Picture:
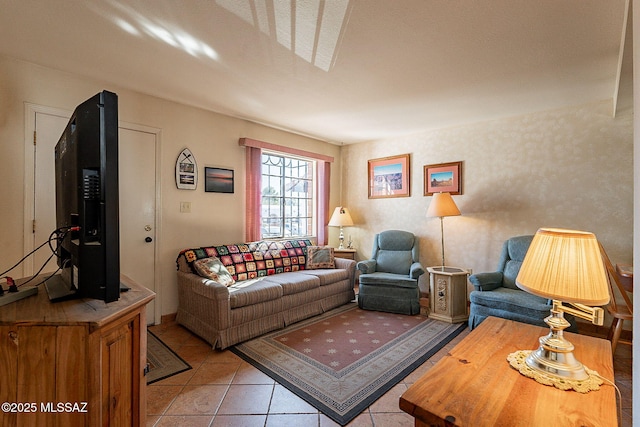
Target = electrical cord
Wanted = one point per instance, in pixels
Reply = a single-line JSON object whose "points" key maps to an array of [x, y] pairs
{"points": [[25, 257], [608, 381], [60, 235], [57, 235]]}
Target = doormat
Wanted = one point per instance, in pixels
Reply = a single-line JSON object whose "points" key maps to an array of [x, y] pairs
{"points": [[344, 360], [163, 362]]}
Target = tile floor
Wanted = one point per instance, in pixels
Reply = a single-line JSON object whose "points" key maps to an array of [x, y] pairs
{"points": [[224, 390]]}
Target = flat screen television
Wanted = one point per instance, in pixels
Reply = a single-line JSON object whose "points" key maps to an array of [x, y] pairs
{"points": [[87, 211]]}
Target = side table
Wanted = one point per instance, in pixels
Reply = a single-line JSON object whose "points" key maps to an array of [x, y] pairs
{"points": [[344, 253], [474, 385], [448, 294]]}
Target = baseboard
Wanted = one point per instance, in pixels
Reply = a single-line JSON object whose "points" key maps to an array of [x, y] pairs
{"points": [[168, 318]]}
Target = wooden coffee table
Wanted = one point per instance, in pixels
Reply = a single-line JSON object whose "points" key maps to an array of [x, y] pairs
{"points": [[474, 385]]}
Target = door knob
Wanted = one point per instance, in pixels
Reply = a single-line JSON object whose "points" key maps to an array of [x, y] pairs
{"points": [[148, 239]]}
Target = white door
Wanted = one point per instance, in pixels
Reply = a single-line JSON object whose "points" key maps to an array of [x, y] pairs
{"points": [[137, 178], [137, 169], [48, 129]]}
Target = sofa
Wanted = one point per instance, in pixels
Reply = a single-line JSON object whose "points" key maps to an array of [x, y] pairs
{"points": [[231, 293]]}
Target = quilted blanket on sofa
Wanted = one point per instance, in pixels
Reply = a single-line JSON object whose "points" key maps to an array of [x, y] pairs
{"points": [[246, 261]]}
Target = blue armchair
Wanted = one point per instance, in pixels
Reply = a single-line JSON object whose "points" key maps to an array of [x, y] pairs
{"points": [[389, 280], [496, 294]]}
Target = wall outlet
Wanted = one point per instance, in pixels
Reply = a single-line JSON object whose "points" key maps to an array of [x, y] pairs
{"points": [[185, 207]]}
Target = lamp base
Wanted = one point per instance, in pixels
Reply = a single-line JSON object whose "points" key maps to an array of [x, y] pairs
{"points": [[517, 360], [341, 246], [553, 363]]}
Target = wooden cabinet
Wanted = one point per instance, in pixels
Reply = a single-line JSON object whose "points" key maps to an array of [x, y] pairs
{"points": [[448, 294], [74, 363]]}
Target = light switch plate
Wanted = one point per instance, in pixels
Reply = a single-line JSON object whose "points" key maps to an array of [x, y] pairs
{"points": [[185, 207]]}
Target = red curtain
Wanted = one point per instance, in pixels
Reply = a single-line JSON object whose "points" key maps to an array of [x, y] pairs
{"points": [[253, 193], [324, 183]]}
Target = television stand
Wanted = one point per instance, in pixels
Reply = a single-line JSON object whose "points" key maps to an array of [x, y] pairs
{"points": [[58, 290], [84, 351]]}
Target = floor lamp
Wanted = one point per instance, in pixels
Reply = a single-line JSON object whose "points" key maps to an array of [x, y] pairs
{"points": [[442, 205]]}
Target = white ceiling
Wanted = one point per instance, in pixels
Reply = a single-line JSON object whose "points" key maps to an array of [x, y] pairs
{"points": [[344, 71]]}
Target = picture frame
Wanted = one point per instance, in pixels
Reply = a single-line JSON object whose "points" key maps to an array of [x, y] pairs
{"points": [[218, 180], [389, 177], [443, 178]]}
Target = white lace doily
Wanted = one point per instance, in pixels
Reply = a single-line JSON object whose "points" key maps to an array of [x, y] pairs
{"points": [[517, 361]]}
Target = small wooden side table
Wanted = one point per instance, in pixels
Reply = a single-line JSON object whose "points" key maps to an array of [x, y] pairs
{"points": [[448, 294], [474, 385], [344, 253]]}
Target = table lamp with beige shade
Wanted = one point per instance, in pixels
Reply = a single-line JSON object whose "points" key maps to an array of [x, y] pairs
{"points": [[564, 266], [341, 218]]}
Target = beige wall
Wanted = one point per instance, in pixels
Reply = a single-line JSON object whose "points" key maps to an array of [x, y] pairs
{"points": [[213, 139], [571, 168]]}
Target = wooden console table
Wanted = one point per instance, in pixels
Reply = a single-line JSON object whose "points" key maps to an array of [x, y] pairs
{"points": [[474, 385], [74, 363]]}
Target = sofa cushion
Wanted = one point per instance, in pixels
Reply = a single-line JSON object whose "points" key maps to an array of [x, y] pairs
{"points": [[294, 282], [320, 257], [253, 291], [213, 269], [328, 276], [388, 279], [512, 300]]}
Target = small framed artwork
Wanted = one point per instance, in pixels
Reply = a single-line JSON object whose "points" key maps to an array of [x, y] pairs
{"points": [[186, 171], [389, 177], [443, 178], [218, 180]]}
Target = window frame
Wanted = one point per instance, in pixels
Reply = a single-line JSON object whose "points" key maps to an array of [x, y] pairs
{"points": [[283, 218], [253, 188]]}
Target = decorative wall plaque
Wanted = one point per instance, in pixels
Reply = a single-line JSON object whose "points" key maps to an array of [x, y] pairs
{"points": [[186, 171]]}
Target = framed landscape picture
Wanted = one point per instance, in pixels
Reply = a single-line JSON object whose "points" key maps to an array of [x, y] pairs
{"points": [[218, 180], [389, 177], [443, 178]]}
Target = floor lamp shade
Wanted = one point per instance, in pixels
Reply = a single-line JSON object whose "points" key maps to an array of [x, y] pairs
{"points": [[442, 205]]}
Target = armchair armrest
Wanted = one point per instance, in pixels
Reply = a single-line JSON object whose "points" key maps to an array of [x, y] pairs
{"points": [[416, 270], [367, 266], [486, 281]]}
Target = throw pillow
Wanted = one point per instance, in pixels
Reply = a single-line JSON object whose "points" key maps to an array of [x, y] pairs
{"points": [[320, 257], [213, 269]]}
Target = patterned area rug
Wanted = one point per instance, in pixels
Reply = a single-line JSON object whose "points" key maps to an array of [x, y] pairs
{"points": [[344, 360], [163, 362]]}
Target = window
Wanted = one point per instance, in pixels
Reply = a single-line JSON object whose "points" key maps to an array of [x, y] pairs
{"points": [[288, 199]]}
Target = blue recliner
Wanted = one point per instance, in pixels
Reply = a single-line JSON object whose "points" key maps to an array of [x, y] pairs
{"points": [[389, 280], [496, 293]]}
